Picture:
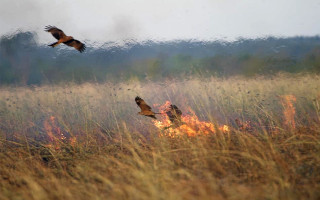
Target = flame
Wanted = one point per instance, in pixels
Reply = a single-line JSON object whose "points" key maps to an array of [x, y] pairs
{"points": [[73, 141], [190, 126], [289, 110], [225, 128], [55, 134]]}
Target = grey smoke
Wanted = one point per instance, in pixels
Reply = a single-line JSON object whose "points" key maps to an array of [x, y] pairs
{"points": [[102, 21]]}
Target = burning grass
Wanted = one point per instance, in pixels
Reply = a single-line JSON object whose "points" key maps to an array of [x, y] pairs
{"points": [[254, 139], [190, 125]]}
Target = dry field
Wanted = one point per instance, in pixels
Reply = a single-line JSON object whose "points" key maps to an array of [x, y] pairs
{"points": [[243, 139]]}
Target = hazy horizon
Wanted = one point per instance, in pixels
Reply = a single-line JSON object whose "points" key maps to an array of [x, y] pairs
{"points": [[205, 20]]}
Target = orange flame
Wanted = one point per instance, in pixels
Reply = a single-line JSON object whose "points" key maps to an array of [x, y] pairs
{"points": [[55, 134], [191, 125], [289, 110]]}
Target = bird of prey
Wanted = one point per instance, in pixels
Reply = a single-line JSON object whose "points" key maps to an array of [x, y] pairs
{"points": [[62, 38], [145, 108], [174, 114]]}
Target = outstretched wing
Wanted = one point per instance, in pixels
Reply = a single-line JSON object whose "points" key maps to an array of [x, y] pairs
{"points": [[76, 44], [174, 114], [57, 33], [142, 104]]}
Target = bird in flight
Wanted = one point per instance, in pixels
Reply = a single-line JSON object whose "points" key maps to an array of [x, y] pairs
{"points": [[145, 108], [62, 38]]}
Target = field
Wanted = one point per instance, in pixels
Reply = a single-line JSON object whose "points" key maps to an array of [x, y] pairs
{"points": [[255, 138]]}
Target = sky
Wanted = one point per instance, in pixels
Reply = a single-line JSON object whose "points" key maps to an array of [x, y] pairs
{"points": [[162, 20]]}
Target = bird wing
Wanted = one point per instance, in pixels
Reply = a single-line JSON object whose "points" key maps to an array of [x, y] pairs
{"points": [[142, 104], [170, 115], [177, 110], [76, 44], [57, 33]]}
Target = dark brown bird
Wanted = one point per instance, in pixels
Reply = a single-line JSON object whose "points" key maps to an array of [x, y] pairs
{"points": [[145, 108], [62, 38], [174, 114]]}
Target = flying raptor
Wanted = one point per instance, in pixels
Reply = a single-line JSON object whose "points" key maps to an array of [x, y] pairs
{"points": [[145, 108], [63, 38]]}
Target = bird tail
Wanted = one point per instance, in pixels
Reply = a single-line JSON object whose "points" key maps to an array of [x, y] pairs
{"points": [[53, 44]]}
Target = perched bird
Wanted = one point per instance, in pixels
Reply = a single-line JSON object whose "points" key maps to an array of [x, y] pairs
{"points": [[62, 38], [145, 109], [174, 114]]}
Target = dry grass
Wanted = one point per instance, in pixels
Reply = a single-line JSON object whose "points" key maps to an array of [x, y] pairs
{"points": [[117, 154]]}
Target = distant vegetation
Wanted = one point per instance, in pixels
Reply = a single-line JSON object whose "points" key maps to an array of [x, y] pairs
{"points": [[24, 61]]}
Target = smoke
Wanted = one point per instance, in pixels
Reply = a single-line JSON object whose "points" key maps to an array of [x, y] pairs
{"points": [[125, 27], [105, 21], [17, 13]]}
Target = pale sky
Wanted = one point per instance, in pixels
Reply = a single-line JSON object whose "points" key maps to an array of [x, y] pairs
{"points": [[118, 20]]}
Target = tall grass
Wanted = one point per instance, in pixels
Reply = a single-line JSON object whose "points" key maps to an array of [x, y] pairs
{"points": [[110, 152]]}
